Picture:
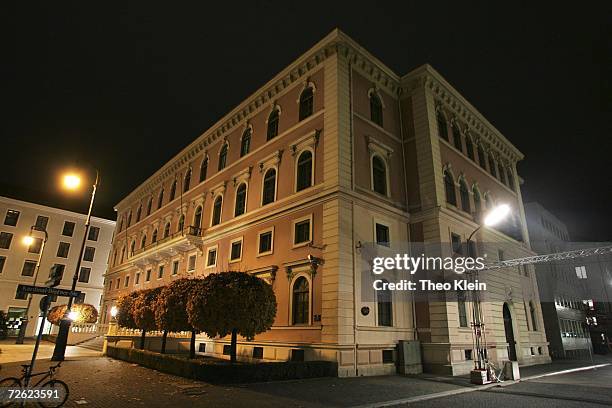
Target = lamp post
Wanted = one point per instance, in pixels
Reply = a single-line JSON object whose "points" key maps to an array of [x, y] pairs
{"points": [[72, 182], [29, 240], [493, 217]]}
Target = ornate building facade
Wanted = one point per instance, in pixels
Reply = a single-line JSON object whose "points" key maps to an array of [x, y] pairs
{"points": [[335, 151]]}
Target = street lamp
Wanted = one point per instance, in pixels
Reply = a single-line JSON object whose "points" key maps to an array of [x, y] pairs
{"points": [[29, 240], [114, 311], [492, 218], [72, 181]]}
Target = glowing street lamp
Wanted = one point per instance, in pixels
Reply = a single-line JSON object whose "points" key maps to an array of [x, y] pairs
{"points": [[28, 240], [497, 215], [114, 311], [71, 181], [73, 315]]}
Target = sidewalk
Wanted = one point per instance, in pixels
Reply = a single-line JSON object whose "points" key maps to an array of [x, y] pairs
{"points": [[12, 353]]}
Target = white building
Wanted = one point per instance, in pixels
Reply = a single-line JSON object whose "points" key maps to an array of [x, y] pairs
{"points": [[65, 231]]}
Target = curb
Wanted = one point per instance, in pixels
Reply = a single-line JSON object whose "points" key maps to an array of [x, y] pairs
{"points": [[442, 394]]}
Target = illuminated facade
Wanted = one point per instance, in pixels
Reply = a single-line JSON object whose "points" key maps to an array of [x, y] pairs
{"points": [[335, 150]]}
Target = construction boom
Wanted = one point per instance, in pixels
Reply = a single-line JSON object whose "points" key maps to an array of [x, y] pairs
{"points": [[480, 343]]}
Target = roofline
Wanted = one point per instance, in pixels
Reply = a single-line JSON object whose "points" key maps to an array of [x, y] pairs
{"points": [[56, 210]]}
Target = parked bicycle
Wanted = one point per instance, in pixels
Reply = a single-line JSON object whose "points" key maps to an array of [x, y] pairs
{"points": [[57, 393]]}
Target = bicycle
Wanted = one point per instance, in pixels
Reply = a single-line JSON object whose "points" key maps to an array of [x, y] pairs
{"points": [[52, 384]]}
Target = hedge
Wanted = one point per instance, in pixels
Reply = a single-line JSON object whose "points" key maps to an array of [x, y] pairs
{"points": [[223, 372]]}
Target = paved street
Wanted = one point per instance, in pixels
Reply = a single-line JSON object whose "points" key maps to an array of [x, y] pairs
{"points": [[104, 382]]}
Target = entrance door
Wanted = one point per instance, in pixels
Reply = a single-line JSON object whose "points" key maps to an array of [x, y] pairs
{"points": [[509, 333]]}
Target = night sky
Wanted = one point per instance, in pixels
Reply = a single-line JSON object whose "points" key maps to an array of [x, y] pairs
{"points": [[125, 87]]}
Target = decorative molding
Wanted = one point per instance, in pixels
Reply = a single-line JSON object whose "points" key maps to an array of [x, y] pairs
{"points": [[243, 175], [376, 146], [268, 273], [272, 160], [310, 140], [311, 262]]}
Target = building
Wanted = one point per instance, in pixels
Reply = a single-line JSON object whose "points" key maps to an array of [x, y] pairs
{"points": [[335, 151], [563, 286], [65, 231]]}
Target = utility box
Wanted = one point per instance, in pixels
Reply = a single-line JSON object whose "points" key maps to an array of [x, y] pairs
{"points": [[511, 370], [409, 357]]}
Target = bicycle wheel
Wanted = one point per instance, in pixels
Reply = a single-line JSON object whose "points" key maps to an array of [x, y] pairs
{"points": [[9, 382], [62, 392]]}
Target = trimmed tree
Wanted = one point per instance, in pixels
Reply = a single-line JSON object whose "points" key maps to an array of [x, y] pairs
{"points": [[86, 313], [171, 310], [143, 311], [232, 303], [125, 310]]}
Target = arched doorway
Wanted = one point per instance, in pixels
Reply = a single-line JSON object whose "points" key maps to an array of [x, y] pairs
{"points": [[509, 333]]}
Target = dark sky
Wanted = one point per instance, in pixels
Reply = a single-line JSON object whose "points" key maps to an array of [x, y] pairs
{"points": [[124, 87]]}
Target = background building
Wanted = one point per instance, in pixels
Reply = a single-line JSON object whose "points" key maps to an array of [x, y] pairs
{"points": [[65, 230], [563, 285], [334, 152]]}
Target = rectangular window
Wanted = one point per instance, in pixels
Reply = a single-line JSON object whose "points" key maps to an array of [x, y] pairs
{"points": [[387, 356], [5, 240], [137, 278], [84, 274], [236, 251], [456, 244], [63, 249], [175, 266], [28, 268], [266, 240], [41, 222], [12, 216], [68, 229], [301, 232], [257, 352], [463, 322], [160, 272], [118, 283], [2, 262], [382, 235], [211, 259], [127, 281], [148, 275], [61, 269], [36, 246], [467, 354], [80, 298], [191, 263], [89, 254], [500, 255], [93, 234], [581, 272], [20, 295]]}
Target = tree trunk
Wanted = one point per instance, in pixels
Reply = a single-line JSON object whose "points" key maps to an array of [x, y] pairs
{"points": [[164, 338], [142, 339], [233, 346], [192, 344]]}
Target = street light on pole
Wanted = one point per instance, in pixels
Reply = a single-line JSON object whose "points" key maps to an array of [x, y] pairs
{"points": [[72, 181], [492, 218], [29, 240]]}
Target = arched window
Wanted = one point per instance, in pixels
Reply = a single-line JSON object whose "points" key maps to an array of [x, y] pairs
{"points": [[187, 181], [502, 173], [477, 203], [160, 199], [482, 161], [269, 187], [469, 147], [376, 109], [167, 230], [457, 136], [241, 197], [173, 190], [129, 219], [197, 217], [379, 175], [384, 306], [154, 236], [132, 248], [492, 167], [442, 126], [245, 143], [449, 188], [306, 103], [273, 124], [532, 313], [149, 206], [510, 179], [143, 241], [216, 214], [304, 170], [181, 223], [203, 169], [301, 294], [138, 213], [222, 157], [465, 196]]}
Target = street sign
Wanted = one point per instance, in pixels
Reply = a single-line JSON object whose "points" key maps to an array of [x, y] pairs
{"points": [[43, 290]]}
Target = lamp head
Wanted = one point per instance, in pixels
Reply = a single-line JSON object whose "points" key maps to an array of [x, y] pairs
{"points": [[28, 240], [71, 181], [497, 215], [114, 311]]}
